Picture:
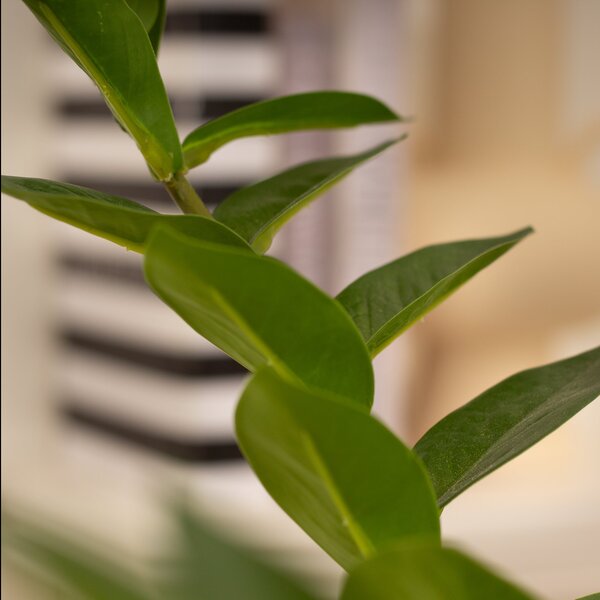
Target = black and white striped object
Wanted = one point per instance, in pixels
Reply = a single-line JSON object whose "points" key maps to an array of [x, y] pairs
{"points": [[131, 370], [140, 397]]}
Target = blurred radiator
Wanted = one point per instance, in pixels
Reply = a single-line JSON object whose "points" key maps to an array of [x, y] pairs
{"points": [[138, 401]]}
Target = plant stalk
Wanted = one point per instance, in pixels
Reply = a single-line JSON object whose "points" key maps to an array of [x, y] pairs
{"points": [[185, 196]]}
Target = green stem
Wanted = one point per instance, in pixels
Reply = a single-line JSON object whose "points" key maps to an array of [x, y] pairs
{"points": [[185, 196]]}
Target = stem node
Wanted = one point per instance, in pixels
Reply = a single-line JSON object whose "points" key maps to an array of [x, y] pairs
{"points": [[185, 196]]}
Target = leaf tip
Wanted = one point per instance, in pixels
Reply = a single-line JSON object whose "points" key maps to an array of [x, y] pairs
{"points": [[522, 233], [528, 230]]}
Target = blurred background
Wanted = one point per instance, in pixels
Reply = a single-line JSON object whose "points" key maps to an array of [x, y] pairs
{"points": [[108, 399]]}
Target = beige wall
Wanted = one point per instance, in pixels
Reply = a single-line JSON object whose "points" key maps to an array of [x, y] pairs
{"points": [[507, 133], [508, 138]]}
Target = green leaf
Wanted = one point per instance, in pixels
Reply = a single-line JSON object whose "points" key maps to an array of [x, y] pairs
{"points": [[258, 211], [338, 472], [116, 219], [152, 14], [108, 41], [312, 110], [595, 596], [388, 300], [506, 420], [259, 311], [426, 572], [85, 573], [206, 567]]}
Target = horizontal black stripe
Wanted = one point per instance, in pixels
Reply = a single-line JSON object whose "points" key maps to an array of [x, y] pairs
{"points": [[198, 452], [77, 108], [181, 365], [190, 20], [150, 193], [112, 270], [214, 107], [218, 22], [183, 108]]}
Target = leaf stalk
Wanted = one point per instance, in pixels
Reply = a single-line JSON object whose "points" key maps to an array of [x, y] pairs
{"points": [[185, 196]]}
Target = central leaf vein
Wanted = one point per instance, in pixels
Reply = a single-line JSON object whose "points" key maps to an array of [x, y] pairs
{"points": [[359, 537]]}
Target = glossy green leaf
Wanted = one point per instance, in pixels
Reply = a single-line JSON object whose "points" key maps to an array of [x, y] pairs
{"points": [[108, 41], [426, 572], [595, 596], [338, 472], [311, 110], [506, 420], [388, 300], [116, 219], [258, 211], [83, 573], [152, 14], [259, 311], [204, 566]]}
